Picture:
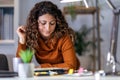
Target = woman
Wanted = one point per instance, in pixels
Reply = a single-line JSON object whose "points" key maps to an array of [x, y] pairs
{"points": [[47, 32]]}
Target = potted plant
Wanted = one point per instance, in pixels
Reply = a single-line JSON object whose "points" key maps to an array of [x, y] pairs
{"points": [[81, 44], [83, 47], [26, 69]]}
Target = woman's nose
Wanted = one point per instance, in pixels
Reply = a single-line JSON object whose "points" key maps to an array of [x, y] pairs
{"points": [[47, 27]]}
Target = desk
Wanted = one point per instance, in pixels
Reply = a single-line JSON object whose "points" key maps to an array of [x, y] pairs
{"points": [[64, 78]]}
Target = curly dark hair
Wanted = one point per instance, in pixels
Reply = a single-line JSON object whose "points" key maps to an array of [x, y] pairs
{"points": [[41, 8]]}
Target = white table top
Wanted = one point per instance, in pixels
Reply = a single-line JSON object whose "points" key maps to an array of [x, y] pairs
{"points": [[64, 78]]}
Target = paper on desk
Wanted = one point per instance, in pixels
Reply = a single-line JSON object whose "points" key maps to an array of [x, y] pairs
{"points": [[89, 73]]}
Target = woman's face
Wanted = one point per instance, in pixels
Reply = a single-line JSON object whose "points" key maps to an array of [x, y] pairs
{"points": [[47, 24]]}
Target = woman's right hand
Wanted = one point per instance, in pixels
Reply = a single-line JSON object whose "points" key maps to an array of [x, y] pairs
{"points": [[21, 31]]}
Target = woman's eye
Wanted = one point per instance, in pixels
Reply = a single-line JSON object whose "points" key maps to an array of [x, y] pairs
{"points": [[52, 23], [43, 23]]}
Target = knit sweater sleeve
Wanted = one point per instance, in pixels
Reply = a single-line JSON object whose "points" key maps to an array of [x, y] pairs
{"points": [[19, 48], [68, 53]]}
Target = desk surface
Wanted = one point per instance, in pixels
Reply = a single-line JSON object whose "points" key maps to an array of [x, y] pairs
{"points": [[64, 78]]}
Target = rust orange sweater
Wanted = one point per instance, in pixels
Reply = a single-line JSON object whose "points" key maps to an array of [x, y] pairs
{"points": [[59, 53]]}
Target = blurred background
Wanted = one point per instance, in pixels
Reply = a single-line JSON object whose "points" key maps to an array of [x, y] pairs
{"points": [[13, 13]]}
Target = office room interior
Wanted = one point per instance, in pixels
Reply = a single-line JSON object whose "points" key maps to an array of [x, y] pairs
{"points": [[21, 8]]}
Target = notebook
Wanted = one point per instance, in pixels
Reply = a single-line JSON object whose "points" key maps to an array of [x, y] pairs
{"points": [[48, 71]]}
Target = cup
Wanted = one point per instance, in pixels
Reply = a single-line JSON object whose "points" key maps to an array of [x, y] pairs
{"points": [[16, 62]]}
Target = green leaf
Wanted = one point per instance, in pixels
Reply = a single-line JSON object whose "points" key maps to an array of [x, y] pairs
{"points": [[26, 55]]}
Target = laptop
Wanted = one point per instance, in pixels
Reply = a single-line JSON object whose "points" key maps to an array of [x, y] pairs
{"points": [[8, 73]]}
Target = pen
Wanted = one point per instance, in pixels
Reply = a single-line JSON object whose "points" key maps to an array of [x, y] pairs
{"points": [[45, 73], [41, 73]]}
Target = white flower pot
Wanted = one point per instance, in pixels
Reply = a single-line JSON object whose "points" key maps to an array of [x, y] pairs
{"points": [[26, 70]]}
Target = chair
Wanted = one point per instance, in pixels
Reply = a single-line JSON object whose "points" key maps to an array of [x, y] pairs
{"points": [[3, 62]]}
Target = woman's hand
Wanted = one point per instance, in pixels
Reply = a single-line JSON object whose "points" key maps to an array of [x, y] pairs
{"points": [[21, 31]]}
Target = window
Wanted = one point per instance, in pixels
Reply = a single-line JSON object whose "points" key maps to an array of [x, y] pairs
{"points": [[6, 23]]}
